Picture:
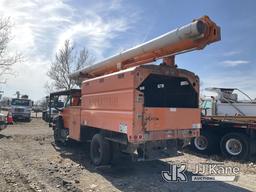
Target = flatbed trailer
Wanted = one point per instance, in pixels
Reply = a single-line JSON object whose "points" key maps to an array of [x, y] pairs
{"points": [[234, 138], [232, 134]]}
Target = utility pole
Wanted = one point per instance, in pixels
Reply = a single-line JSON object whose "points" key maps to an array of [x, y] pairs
{"points": [[18, 94]]}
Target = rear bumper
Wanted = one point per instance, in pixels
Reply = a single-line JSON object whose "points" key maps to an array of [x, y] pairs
{"points": [[158, 145], [154, 150], [171, 134], [165, 135]]}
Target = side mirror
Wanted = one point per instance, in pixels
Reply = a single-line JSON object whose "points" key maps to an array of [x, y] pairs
{"points": [[57, 104]]}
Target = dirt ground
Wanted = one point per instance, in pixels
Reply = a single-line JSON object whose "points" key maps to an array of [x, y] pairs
{"points": [[29, 161]]}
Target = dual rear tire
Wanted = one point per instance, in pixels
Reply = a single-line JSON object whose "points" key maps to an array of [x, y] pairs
{"points": [[100, 150], [232, 145]]}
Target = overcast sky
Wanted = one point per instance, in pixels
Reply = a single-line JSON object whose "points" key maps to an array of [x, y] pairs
{"points": [[107, 27]]}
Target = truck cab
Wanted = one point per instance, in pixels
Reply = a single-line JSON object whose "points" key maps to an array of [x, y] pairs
{"points": [[66, 103], [46, 116], [21, 109]]}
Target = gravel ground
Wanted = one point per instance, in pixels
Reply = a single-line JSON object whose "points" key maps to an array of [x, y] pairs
{"points": [[29, 161]]}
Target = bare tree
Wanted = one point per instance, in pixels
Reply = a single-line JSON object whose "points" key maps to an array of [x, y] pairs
{"points": [[49, 87], [6, 59], [83, 59], [66, 61]]}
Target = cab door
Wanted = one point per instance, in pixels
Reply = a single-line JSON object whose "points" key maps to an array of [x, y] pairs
{"points": [[72, 117]]}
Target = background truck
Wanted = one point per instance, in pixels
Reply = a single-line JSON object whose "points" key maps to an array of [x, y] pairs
{"points": [[21, 108], [129, 104], [228, 124], [3, 123], [47, 116]]}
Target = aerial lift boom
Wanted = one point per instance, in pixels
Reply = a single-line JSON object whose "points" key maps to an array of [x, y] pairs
{"points": [[193, 36]]}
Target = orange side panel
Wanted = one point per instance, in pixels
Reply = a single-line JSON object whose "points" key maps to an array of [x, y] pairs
{"points": [[109, 83], [66, 117], [72, 116], [157, 119], [118, 121], [108, 102], [115, 100]]}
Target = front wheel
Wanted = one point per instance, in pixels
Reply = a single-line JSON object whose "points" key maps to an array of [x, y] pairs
{"points": [[59, 132], [100, 150], [235, 146]]}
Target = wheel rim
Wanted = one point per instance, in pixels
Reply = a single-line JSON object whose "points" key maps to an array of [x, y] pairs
{"points": [[234, 146], [201, 143]]}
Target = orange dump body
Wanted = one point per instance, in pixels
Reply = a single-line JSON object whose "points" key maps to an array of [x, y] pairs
{"points": [[145, 103]]}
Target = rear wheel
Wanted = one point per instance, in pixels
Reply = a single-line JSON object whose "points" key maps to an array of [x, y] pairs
{"points": [[201, 143], [100, 150], [206, 143], [235, 146]]}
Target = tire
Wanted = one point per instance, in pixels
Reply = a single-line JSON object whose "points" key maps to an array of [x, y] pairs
{"points": [[100, 150], [235, 146], [59, 125], [206, 143]]}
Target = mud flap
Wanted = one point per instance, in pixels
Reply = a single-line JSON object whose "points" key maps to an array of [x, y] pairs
{"points": [[157, 150]]}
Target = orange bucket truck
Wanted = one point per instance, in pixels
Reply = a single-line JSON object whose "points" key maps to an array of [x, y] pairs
{"points": [[127, 103]]}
